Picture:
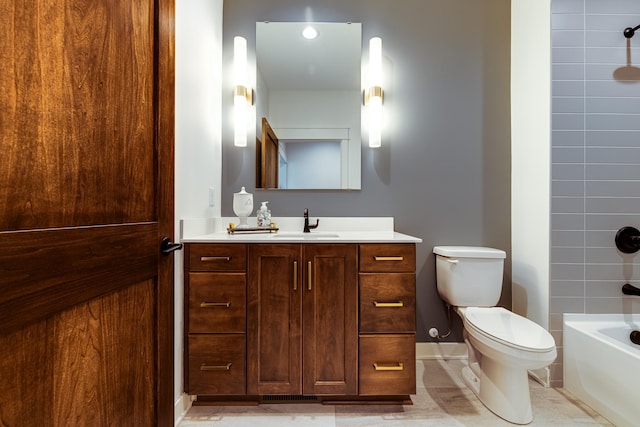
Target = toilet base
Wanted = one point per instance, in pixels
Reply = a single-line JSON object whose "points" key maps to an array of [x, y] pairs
{"points": [[502, 389]]}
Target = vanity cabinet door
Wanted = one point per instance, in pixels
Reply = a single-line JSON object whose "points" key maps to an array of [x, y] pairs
{"points": [[302, 326], [330, 316], [274, 319]]}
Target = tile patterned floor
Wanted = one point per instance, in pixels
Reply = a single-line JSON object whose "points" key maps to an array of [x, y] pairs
{"points": [[442, 399]]}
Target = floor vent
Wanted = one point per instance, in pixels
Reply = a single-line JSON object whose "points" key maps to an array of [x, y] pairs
{"points": [[290, 398]]}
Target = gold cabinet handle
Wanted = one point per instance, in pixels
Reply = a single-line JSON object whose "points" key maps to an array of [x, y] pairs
{"points": [[388, 304], [398, 366], [388, 258], [205, 304], [215, 258], [295, 275], [206, 367], [310, 275]]}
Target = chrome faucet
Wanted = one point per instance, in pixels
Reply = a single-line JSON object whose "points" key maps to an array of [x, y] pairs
{"points": [[308, 227]]}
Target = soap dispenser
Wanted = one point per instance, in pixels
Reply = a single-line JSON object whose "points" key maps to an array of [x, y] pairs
{"points": [[264, 216]]}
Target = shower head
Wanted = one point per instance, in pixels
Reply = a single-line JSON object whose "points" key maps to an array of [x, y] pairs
{"points": [[629, 32]]}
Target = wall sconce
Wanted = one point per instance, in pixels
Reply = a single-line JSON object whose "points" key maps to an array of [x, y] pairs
{"points": [[373, 96], [242, 94]]}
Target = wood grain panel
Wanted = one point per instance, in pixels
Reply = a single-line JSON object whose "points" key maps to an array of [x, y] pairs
{"points": [[85, 76], [274, 320], [387, 302], [109, 345], [70, 266], [217, 364], [387, 350], [330, 310], [392, 257], [91, 365], [26, 369], [217, 302]]}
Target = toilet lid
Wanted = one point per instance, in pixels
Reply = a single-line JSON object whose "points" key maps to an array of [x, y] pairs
{"points": [[509, 328]]}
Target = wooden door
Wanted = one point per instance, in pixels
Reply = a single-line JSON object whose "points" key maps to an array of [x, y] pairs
{"points": [[86, 194], [274, 344], [330, 325], [267, 158]]}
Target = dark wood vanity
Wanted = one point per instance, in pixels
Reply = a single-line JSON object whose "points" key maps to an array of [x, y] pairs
{"points": [[326, 322]]}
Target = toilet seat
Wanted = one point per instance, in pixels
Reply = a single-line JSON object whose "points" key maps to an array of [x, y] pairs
{"points": [[508, 328]]}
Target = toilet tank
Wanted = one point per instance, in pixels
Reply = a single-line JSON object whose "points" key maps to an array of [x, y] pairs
{"points": [[469, 276]]}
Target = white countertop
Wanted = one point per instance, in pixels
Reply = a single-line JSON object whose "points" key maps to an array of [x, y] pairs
{"points": [[330, 230]]}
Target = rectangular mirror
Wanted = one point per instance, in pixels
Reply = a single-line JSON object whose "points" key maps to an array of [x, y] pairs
{"points": [[309, 92]]}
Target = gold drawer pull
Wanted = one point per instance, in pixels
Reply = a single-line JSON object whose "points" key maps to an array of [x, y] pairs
{"points": [[388, 258], [215, 258], [295, 275], [215, 304], [388, 366], [388, 304], [206, 367]]}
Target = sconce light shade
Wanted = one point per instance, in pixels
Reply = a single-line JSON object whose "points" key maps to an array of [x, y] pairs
{"points": [[242, 95], [374, 94]]}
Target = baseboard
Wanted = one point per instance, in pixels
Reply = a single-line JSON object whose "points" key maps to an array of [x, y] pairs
{"points": [[441, 350], [543, 376], [182, 405]]}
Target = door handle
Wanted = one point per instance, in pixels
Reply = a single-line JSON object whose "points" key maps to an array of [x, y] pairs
{"points": [[167, 247]]}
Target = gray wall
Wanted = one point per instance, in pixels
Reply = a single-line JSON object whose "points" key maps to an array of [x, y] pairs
{"points": [[595, 158], [443, 171]]}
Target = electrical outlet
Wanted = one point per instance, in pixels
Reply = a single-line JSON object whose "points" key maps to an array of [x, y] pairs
{"points": [[212, 200]]}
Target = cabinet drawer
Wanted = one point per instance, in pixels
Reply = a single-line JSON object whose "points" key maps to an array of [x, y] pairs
{"points": [[217, 302], [387, 302], [387, 365], [388, 257], [216, 257], [217, 364]]}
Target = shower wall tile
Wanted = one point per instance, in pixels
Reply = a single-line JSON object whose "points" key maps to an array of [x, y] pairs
{"points": [[569, 38], [567, 288], [568, 71], [561, 221], [566, 305], [567, 6], [604, 288], [568, 154], [568, 105], [567, 88], [612, 189], [567, 204], [570, 172], [619, 155], [612, 172], [571, 255], [599, 238], [568, 121], [608, 22], [567, 188], [601, 88], [608, 205], [562, 238], [611, 105], [608, 7], [568, 138], [595, 187], [562, 21], [612, 139], [611, 222]]}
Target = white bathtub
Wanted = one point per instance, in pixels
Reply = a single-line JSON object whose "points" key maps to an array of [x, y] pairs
{"points": [[602, 365]]}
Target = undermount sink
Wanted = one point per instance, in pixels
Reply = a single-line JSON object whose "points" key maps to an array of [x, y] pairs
{"points": [[311, 235]]}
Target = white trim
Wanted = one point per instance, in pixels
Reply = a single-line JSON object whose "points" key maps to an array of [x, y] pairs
{"points": [[180, 408], [443, 350]]}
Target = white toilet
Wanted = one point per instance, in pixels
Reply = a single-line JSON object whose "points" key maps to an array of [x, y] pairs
{"points": [[502, 345]]}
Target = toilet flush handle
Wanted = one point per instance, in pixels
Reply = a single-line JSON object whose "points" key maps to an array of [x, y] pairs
{"points": [[452, 261]]}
